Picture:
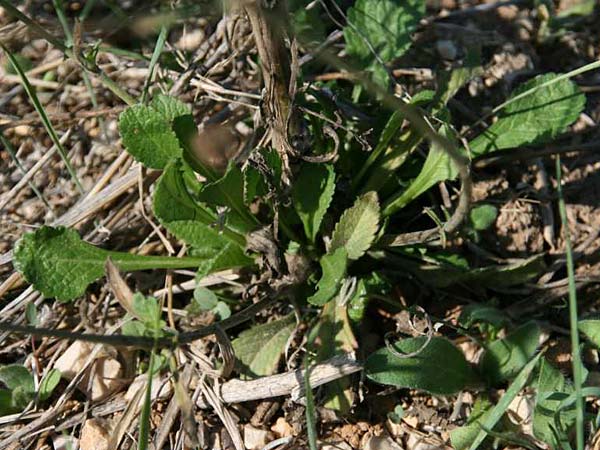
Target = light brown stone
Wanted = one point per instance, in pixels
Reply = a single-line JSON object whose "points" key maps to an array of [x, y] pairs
{"points": [[95, 435]]}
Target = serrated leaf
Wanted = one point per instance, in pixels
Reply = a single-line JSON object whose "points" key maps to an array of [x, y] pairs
{"points": [[357, 227], [504, 358], [259, 348], [334, 267], [438, 167], [312, 194], [440, 368], [533, 119], [169, 107], [59, 264], [387, 24], [549, 426], [591, 329], [148, 137]]}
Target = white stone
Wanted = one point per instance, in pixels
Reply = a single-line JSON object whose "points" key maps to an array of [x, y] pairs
{"points": [[255, 438], [382, 443], [106, 371], [94, 435]]}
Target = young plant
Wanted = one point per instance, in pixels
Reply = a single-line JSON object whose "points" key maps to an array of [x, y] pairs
{"points": [[333, 229]]}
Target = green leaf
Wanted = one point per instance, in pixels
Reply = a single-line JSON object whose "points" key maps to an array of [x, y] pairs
{"points": [[222, 310], [170, 108], [489, 421], [591, 329], [462, 437], [357, 227], [6, 403], [334, 267], [220, 247], [147, 131], [386, 24], [437, 167], [229, 191], [14, 376], [312, 194], [333, 336], [504, 358], [373, 284], [483, 216], [146, 309], [306, 22], [229, 256], [440, 368], [450, 82], [31, 314], [49, 383], [134, 328], [549, 424], [444, 275], [533, 119], [259, 348], [478, 313], [204, 298], [59, 264], [21, 396]]}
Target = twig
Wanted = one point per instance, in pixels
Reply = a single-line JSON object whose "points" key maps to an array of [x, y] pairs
{"points": [[268, 28], [235, 391]]}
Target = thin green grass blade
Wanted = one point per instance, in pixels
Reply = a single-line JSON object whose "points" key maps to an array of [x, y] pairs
{"points": [[573, 316], [144, 437], [42, 113], [158, 48], [87, 9], [502, 405], [62, 18], [311, 412]]}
